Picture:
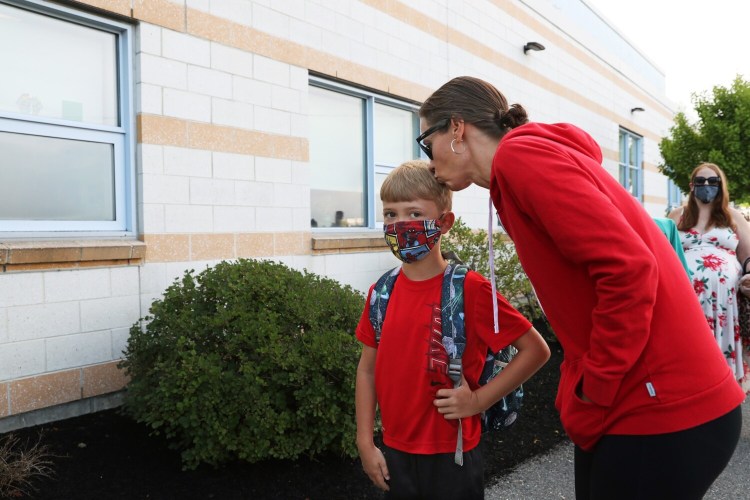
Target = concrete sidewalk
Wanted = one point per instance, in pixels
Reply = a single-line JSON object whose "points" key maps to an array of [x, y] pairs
{"points": [[551, 476]]}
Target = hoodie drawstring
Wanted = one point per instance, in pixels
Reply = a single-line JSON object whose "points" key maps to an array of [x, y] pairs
{"points": [[492, 271]]}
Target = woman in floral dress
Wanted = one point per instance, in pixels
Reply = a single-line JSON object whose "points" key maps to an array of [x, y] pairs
{"points": [[716, 239]]}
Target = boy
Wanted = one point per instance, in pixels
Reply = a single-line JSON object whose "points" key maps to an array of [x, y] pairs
{"points": [[406, 372]]}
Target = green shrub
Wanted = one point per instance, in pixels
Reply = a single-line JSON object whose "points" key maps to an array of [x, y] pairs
{"points": [[471, 247], [248, 360]]}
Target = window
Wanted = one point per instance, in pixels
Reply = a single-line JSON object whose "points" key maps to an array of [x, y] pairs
{"points": [[356, 139], [65, 122], [674, 196], [631, 163]]}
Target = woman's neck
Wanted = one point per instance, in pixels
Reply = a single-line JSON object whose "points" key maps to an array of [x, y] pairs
{"points": [[704, 216], [482, 153]]}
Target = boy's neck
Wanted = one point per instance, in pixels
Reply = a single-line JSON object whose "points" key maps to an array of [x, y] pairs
{"points": [[427, 268]]}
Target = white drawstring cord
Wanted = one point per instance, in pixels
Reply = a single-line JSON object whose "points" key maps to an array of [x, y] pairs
{"points": [[492, 271]]}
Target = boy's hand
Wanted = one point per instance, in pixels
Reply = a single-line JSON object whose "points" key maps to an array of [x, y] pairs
{"points": [[373, 463], [457, 403]]}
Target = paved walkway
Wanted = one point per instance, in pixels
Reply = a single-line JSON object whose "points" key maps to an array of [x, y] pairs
{"points": [[551, 476]]}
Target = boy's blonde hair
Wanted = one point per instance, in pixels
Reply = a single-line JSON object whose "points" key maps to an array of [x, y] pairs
{"points": [[412, 180]]}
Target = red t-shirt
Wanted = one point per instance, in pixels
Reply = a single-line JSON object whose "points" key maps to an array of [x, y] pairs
{"points": [[411, 362]]}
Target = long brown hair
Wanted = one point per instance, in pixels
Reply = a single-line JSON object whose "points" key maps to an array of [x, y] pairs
{"points": [[474, 101], [720, 216]]}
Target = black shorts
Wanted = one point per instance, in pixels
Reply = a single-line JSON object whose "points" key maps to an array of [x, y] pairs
{"points": [[434, 477]]}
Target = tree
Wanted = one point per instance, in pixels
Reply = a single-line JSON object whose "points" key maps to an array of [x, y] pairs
{"points": [[721, 136]]}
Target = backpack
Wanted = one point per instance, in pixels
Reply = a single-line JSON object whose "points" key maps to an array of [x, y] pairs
{"points": [[502, 414]]}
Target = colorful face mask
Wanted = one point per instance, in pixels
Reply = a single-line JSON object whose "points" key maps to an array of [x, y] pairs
{"points": [[412, 240], [706, 194]]}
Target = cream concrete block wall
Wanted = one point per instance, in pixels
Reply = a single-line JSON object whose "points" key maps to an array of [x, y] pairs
{"points": [[359, 270], [3, 326], [65, 319], [120, 338], [43, 320], [185, 48], [21, 359], [21, 289], [187, 163], [78, 350]]}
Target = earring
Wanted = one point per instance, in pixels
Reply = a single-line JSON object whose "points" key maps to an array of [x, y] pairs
{"points": [[454, 149]]}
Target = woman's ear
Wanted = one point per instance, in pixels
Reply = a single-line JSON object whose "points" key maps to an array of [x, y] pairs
{"points": [[457, 129], [448, 218]]}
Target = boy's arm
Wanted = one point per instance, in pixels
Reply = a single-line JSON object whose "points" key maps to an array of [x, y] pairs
{"points": [[373, 461], [462, 402]]}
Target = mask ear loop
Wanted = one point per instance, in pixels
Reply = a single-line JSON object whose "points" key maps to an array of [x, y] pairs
{"points": [[492, 270]]}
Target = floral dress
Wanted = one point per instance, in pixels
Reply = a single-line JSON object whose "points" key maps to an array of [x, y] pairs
{"points": [[715, 272]]}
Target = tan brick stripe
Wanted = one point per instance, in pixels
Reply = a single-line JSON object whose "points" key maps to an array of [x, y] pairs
{"points": [[658, 200], [4, 399], [218, 246], [164, 130], [49, 389], [161, 12], [650, 167]]}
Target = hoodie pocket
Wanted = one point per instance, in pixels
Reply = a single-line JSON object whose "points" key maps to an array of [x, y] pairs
{"points": [[583, 420]]}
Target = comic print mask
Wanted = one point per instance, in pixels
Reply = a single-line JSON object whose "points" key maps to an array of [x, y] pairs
{"points": [[412, 240], [706, 194]]}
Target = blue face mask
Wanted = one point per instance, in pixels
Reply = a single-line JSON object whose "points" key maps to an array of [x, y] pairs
{"points": [[706, 194]]}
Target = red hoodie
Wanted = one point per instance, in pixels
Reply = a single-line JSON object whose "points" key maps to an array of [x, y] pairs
{"points": [[613, 289]]}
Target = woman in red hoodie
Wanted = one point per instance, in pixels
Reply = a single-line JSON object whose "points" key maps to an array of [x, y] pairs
{"points": [[645, 393]]}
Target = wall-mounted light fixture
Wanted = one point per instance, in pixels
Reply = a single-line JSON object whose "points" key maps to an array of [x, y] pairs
{"points": [[634, 110], [532, 46]]}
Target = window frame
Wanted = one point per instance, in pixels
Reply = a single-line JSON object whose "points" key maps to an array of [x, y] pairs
{"points": [[624, 162], [370, 98], [121, 136], [674, 195]]}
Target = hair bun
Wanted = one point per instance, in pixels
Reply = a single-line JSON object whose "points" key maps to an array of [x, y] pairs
{"points": [[516, 116]]}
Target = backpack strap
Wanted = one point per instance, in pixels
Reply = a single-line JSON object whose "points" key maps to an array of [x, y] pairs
{"points": [[454, 334], [452, 318], [381, 293]]}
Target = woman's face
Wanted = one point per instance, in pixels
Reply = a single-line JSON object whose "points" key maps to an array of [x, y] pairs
{"points": [[705, 177], [449, 168]]}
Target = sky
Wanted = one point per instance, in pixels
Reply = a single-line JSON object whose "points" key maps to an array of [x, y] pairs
{"points": [[698, 44]]}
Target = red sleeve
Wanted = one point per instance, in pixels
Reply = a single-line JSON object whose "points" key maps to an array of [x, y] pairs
{"points": [[365, 332], [590, 232], [478, 309]]}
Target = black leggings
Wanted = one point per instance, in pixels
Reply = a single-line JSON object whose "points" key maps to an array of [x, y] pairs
{"points": [[679, 465]]}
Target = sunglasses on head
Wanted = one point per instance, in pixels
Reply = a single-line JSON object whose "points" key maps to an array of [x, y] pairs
{"points": [[428, 148], [711, 181]]}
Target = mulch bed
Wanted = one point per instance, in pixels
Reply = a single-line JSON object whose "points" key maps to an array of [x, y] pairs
{"points": [[106, 455]]}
